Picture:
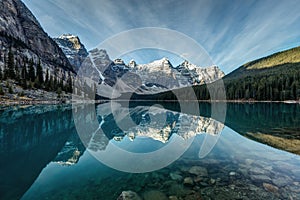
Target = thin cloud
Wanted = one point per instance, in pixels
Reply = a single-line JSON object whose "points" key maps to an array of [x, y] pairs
{"points": [[231, 32]]}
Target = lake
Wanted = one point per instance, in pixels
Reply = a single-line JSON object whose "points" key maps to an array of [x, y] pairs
{"points": [[150, 151]]}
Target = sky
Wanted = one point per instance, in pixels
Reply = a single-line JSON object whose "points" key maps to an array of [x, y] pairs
{"points": [[232, 32]]}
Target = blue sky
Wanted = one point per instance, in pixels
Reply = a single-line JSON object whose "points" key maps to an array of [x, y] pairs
{"points": [[231, 31]]}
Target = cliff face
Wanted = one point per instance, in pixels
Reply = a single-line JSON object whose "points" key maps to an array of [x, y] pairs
{"points": [[20, 31]]}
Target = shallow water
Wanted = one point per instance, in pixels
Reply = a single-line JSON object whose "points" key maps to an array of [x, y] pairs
{"points": [[96, 152]]}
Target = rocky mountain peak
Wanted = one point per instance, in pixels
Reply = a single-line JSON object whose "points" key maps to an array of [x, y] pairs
{"points": [[132, 63], [74, 40], [119, 61], [72, 48], [189, 66]]}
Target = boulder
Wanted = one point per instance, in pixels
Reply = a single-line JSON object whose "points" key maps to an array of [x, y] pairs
{"points": [[154, 195], [129, 195], [199, 171]]}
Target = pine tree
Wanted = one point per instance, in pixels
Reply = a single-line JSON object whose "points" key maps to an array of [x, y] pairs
{"points": [[31, 71], [69, 84], [24, 75], [61, 84], [46, 83], [10, 90], [1, 74], [39, 73], [58, 91], [5, 71], [1, 90], [55, 84], [17, 74], [47, 76], [11, 65], [51, 83]]}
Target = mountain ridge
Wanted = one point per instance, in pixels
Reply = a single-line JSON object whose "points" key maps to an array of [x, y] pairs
{"points": [[281, 58], [116, 77]]}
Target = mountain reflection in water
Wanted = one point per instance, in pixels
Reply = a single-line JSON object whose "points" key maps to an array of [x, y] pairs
{"points": [[43, 153]]}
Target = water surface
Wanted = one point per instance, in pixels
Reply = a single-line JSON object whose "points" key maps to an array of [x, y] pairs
{"points": [[54, 152]]}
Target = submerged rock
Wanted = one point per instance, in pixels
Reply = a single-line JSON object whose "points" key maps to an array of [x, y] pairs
{"points": [[195, 196], [198, 179], [270, 188], [199, 171], [178, 190], [176, 177], [173, 198], [258, 170], [155, 194], [281, 181], [188, 181], [260, 178], [232, 174], [249, 161], [212, 181], [129, 195]]}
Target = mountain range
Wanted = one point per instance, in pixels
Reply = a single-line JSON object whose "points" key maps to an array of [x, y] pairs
{"points": [[35, 66], [114, 78]]}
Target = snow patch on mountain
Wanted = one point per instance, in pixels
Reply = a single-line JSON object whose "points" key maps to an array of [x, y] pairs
{"points": [[116, 77]]}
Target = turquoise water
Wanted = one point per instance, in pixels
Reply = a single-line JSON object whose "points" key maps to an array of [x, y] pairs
{"points": [[98, 151]]}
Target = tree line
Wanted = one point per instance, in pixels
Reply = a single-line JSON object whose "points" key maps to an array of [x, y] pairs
{"points": [[278, 84], [30, 75], [274, 87]]}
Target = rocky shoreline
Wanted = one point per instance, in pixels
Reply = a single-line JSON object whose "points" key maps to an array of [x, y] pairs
{"points": [[27, 101]]}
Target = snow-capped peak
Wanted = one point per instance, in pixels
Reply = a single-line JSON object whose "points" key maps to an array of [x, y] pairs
{"points": [[160, 61], [72, 48], [132, 63], [186, 64], [162, 64], [67, 36], [119, 61]]}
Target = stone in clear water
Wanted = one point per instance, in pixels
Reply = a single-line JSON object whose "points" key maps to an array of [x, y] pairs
{"points": [[188, 181], [282, 181], [199, 171], [232, 174], [260, 178], [176, 177], [155, 194], [270, 188], [129, 195]]}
